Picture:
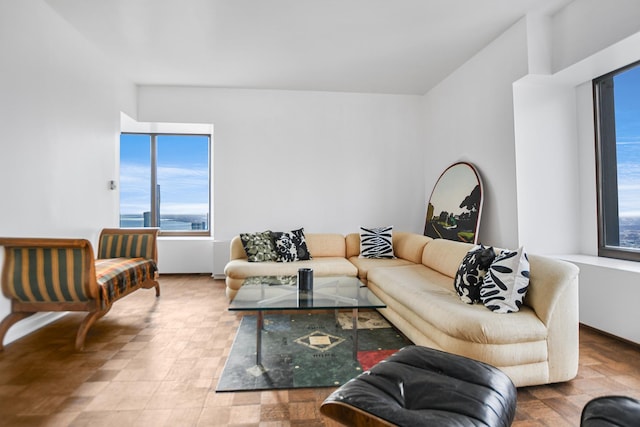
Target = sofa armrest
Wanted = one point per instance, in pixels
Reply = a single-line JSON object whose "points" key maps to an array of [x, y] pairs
{"points": [[48, 270], [128, 243], [236, 250], [553, 294], [550, 283]]}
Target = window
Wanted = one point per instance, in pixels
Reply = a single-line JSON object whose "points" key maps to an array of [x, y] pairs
{"points": [[617, 106], [165, 182]]}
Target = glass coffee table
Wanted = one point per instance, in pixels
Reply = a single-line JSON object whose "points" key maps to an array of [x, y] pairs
{"points": [[278, 293]]}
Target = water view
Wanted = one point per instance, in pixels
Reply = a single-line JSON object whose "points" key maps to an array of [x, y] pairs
{"points": [[168, 222]]}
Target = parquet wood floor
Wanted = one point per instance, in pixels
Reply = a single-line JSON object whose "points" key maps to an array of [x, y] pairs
{"points": [[156, 362]]}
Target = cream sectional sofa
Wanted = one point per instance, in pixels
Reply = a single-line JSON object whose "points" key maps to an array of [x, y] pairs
{"points": [[536, 345]]}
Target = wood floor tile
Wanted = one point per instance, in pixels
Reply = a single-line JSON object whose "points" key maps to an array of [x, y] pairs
{"points": [[156, 362]]}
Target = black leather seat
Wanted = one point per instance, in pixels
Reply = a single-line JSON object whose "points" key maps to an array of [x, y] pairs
{"points": [[606, 411], [420, 386]]}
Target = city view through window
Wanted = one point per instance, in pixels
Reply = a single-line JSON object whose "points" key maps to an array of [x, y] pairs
{"points": [[627, 128], [176, 168]]}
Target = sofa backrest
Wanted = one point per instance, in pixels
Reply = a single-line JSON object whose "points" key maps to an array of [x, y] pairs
{"points": [[326, 244], [407, 246], [128, 243], [319, 245], [445, 256], [352, 240]]}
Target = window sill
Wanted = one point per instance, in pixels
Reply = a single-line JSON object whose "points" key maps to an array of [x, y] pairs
{"points": [[596, 261], [185, 238]]}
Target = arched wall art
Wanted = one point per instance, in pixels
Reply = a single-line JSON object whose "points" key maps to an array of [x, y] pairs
{"points": [[455, 205]]}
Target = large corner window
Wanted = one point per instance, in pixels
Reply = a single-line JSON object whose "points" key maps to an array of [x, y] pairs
{"points": [[617, 106], [165, 182]]}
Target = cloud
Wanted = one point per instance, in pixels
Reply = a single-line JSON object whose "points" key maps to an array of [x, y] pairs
{"points": [[182, 190]]}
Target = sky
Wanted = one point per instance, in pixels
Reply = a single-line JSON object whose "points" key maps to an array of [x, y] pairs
{"points": [[183, 174], [627, 108]]}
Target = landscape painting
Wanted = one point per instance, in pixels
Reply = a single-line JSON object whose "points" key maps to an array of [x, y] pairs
{"points": [[455, 205]]}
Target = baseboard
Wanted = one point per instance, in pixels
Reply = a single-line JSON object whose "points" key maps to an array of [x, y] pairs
{"points": [[31, 324]]}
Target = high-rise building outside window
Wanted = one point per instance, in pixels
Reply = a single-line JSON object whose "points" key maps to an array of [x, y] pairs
{"points": [[617, 106], [165, 182]]}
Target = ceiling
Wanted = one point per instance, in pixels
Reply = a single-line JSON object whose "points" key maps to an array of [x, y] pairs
{"points": [[377, 46]]}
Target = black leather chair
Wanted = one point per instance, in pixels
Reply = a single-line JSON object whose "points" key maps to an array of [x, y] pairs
{"points": [[420, 386], [610, 411]]}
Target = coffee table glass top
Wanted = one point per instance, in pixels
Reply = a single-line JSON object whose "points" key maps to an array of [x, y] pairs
{"points": [[281, 293]]}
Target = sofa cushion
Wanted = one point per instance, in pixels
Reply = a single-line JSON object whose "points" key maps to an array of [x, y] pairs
{"points": [[471, 272], [376, 242], [259, 246], [117, 277], [290, 245], [429, 294], [366, 264], [506, 282], [322, 266]]}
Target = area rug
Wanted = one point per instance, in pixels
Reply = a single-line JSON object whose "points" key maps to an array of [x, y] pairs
{"points": [[366, 320], [304, 350]]}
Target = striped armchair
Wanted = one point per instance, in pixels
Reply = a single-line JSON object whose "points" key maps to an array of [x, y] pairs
{"points": [[63, 275]]}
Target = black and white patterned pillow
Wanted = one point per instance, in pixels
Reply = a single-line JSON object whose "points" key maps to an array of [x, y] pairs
{"points": [[285, 247], [291, 246], [506, 282], [471, 273], [259, 246], [376, 242], [301, 244]]}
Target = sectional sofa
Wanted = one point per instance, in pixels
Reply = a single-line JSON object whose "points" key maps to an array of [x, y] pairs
{"points": [[536, 345]]}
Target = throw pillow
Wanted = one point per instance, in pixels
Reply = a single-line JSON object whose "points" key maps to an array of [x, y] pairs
{"points": [[506, 282], [259, 246], [290, 245], [285, 248], [376, 242], [301, 244], [471, 273]]}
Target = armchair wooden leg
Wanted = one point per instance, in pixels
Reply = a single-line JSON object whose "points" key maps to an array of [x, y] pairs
{"points": [[148, 284], [88, 321], [8, 321], [157, 286]]}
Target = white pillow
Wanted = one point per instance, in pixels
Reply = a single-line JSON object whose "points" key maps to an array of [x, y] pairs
{"points": [[505, 284], [376, 242]]}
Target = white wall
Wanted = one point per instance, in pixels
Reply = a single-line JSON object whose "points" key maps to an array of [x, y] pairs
{"points": [[547, 168], [328, 162], [469, 116], [59, 113], [587, 27]]}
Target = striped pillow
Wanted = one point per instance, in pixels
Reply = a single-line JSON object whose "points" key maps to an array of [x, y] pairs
{"points": [[376, 242]]}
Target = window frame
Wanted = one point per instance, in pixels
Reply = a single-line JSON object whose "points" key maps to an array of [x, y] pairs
{"points": [[607, 167], [153, 166]]}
